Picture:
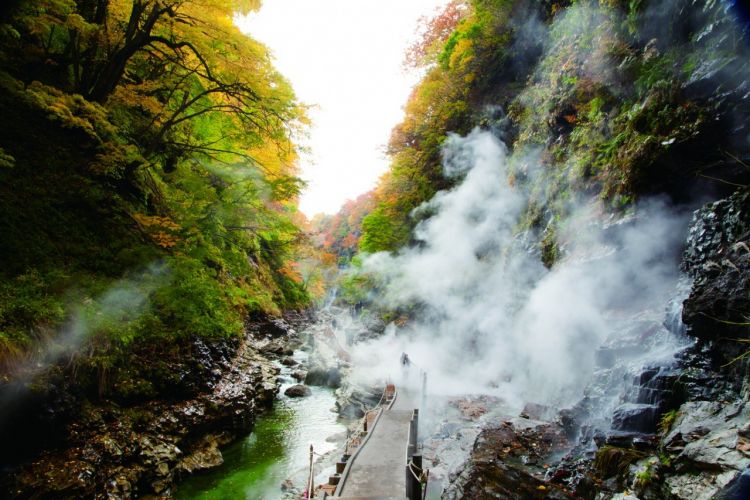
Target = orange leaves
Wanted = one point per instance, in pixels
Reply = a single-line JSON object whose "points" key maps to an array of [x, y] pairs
{"points": [[161, 230], [291, 270], [432, 33]]}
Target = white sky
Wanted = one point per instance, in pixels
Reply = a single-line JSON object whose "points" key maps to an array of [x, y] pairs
{"points": [[345, 57]]}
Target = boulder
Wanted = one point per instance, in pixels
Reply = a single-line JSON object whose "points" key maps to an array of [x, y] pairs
{"points": [[288, 361], [298, 391], [324, 376], [636, 417]]}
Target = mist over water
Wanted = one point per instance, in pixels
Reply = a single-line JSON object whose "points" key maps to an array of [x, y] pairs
{"points": [[490, 318]]}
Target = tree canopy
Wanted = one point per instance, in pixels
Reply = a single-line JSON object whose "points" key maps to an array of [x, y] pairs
{"points": [[147, 133]]}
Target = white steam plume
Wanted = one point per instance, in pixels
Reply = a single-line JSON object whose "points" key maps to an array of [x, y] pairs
{"points": [[491, 318]]}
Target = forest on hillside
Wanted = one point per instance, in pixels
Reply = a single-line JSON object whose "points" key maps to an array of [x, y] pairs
{"points": [[617, 100], [148, 155]]}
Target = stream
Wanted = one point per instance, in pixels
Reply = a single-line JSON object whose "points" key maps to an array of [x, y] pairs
{"points": [[278, 448]]}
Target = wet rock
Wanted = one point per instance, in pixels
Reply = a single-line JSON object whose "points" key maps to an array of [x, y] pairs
{"points": [[299, 375], [701, 379], [714, 229], [122, 483], [718, 257], [288, 361], [324, 376], [62, 476], [636, 417], [298, 391], [206, 455], [506, 462]]}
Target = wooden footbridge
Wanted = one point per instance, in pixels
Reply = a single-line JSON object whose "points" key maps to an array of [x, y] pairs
{"points": [[380, 460]]}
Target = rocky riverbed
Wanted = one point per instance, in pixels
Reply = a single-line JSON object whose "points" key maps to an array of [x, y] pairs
{"points": [[118, 451]]}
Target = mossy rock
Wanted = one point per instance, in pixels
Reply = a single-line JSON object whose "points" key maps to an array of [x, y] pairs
{"points": [[614, 461]]}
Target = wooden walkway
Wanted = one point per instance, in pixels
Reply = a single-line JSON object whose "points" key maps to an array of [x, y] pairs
{"points": [[377, 471], [380, 461]]}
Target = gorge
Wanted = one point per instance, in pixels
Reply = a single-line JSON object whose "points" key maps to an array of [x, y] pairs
{"points": [[561, 244]]}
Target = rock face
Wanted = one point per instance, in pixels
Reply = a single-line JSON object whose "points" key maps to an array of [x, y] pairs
{"points": [[700, 403], [718, 307], [507, 462], [718, 257], [139, 450]]}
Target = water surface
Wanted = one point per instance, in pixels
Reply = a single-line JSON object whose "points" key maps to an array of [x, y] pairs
{"points": [[276, 450]]}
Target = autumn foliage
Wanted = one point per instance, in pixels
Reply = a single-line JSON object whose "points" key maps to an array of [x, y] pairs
{"points": [[145, 134]]}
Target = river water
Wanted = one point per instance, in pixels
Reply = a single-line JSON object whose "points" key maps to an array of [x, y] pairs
{"points": [[276, 450]]}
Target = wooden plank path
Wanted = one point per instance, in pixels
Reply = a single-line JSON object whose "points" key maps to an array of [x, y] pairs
{"points": [[377, 471], [380, 461]]}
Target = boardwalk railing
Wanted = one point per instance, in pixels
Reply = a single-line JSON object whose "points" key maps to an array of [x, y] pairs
{"points": [[416, 475], [311, 476]]}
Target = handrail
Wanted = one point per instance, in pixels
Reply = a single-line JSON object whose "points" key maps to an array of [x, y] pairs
{"points": [[378, 406], [311, 477], [423, 477], [364, 436]]}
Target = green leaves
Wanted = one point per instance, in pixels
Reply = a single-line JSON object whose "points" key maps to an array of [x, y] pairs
{"points": [[143, 132]]}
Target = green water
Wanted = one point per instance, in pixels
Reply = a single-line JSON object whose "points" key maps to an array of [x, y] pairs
{"points": [[276, 450]]}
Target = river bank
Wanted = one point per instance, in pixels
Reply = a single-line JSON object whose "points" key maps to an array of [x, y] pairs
{"points": [[111, 450], [272, 461]]}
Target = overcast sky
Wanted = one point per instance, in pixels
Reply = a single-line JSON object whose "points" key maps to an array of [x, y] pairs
{"points": [[345, 57]]}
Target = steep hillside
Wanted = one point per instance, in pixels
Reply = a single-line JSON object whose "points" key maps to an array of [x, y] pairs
{"points": [[617, 100], [147, 208]]}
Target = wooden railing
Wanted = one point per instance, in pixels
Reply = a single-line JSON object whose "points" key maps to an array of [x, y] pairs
{"points": [[416, 475], [352, 447], [311, 477]]}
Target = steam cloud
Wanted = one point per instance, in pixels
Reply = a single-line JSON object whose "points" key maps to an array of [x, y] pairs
{"points": [[491, 318], [123, 303], [487, 316]]}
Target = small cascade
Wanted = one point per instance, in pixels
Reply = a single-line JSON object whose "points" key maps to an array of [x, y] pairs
{"points": [[635, 381]]}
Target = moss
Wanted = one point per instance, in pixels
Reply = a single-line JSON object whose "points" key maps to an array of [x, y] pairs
{"points": [[667, 421], [614, 461], [549, 247]]}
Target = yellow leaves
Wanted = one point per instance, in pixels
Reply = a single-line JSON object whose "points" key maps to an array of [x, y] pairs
{"points": [[151, 221], [76, 22], [71, 111], [462, 56], [161, 230], [6, 160]]}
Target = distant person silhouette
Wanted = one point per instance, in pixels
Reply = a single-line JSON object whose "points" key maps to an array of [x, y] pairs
{"points": [[405, 361]]}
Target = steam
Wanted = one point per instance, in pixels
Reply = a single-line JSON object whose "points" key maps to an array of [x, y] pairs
{"points": [[491, 319], [120, 306], [485, 315]]}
